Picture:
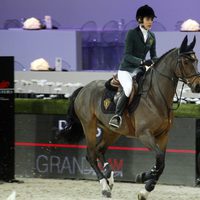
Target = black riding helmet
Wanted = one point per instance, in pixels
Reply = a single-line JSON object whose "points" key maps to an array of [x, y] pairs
{"points": [[144, 11]]}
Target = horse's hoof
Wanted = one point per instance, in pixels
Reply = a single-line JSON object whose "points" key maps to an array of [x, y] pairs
{"points": [[140, 178], [111, 180], [140, 197], [106, 193], [143, 194]]}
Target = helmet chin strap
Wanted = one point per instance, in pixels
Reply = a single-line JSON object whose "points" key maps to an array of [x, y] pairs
{"points": [[144, 27]]}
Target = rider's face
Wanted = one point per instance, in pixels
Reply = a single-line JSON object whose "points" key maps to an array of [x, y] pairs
{"points": [[147, 22]]}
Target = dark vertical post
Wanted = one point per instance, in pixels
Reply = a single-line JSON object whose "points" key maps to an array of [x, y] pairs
{"points": [[7, 136], [198, 151]]}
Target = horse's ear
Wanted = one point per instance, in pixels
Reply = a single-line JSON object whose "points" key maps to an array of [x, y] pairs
{"points": [[184, 45], [191, 46]]}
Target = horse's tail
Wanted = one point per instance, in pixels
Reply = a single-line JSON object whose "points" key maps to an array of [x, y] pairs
{"points": [[73, 131], [71, 114]]}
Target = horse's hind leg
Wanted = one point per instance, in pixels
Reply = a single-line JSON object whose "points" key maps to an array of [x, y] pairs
{"points": [[108, 139], [151, 177], [90, 133]]}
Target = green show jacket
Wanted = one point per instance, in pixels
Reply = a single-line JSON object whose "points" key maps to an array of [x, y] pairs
{"points": [[136, 49]]}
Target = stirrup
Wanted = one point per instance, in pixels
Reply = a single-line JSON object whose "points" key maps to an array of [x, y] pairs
{"points": [[115, 125]]}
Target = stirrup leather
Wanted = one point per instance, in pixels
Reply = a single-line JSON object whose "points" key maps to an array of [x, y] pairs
{"points": [[118, 118]]}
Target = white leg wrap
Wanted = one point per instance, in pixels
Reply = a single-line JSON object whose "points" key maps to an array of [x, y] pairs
{"points": [[111, 180], [104, 184], [12, 196], [143, 194], [106, 192]]}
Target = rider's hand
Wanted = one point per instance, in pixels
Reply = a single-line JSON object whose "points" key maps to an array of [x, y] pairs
{"points": [[147, 62]]}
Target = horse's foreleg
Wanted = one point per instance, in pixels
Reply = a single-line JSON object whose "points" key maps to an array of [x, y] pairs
{"points": [[151, 177], [154, 173]]}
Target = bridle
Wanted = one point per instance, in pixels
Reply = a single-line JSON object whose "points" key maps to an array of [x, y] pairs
{"points": [[179, 66], [182, 78]]}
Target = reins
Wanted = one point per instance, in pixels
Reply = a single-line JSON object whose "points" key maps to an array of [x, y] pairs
{"points": [[174, 86]]}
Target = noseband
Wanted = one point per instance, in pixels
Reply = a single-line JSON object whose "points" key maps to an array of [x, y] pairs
{"points": [[180, 67]]}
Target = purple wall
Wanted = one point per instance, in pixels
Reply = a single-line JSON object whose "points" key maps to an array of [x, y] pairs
{"points": [[73, 13]]}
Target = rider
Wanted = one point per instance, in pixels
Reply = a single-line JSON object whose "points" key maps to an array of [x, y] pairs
{"points": [[139, 42]]}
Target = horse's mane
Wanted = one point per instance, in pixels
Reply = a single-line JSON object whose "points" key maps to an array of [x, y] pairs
{"points": [[160, 59]]}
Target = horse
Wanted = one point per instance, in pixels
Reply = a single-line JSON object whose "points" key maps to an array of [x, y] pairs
{"points": [[149, 122]]}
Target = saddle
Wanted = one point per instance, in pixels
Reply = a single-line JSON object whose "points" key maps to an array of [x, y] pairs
{"points": [[114, 82], [112, 92]]}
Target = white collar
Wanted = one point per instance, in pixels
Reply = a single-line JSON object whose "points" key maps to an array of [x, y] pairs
{"points": [[144, 31]]}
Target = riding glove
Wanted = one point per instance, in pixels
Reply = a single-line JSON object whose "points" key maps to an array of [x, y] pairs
{"points": [[147, 62]]}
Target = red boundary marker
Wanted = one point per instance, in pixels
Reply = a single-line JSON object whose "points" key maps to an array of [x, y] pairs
{"points": [[119, 148]]}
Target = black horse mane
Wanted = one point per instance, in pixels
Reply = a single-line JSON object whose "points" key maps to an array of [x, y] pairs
{"points": [[160, 59]]}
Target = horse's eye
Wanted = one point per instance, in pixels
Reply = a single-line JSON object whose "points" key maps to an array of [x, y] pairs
{"points": [[186, 61]]}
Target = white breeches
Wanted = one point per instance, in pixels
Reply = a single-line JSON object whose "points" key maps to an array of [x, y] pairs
{"points": [[125, 79]]}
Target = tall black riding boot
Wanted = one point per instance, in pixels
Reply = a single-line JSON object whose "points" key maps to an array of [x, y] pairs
{"points": [[116, 120]]}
